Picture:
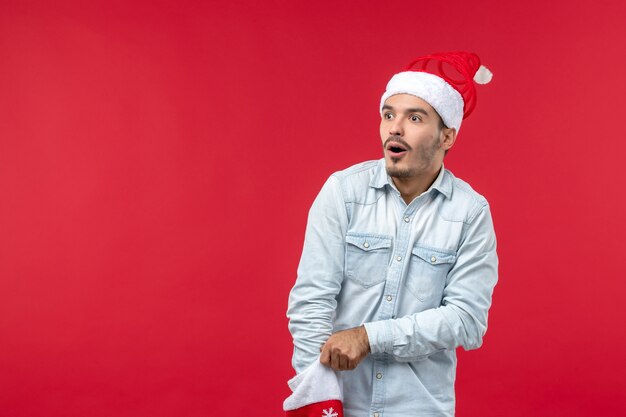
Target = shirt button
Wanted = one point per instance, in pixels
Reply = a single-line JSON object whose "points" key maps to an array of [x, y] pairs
{"points": [[389, 298], [366, 245], [398, 258], [379, 376], [406, 219], [433, 259]]}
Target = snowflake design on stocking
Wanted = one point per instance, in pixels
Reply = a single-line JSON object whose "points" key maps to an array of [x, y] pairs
{"points": [[329, 413]]}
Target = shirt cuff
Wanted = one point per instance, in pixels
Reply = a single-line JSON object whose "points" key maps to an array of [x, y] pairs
{"points": [[380, 336]]}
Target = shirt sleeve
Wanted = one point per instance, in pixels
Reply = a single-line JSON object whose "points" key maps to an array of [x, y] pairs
{"points": [[312, 301], [461, 320]]}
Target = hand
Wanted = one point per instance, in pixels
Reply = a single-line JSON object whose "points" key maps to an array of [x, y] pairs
{"points": [[345, 349]]}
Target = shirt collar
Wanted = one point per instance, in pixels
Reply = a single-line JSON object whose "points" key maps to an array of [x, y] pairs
{"points": [[443, 182]]}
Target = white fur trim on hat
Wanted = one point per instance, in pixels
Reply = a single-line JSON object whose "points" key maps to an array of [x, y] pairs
{"points": [[315, 384], [446, 101]]}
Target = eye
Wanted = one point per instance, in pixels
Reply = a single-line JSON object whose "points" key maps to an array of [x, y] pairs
{"points": [[415, 118], [387, 115]]}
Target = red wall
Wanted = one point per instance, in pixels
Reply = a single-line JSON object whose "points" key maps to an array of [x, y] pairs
{"points": [[157, 162]]}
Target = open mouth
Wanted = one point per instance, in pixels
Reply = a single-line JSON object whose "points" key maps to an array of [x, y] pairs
{"points": [[395, 149]]}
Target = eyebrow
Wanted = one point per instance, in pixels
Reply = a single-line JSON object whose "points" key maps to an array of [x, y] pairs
{"points": [[412, 110]]}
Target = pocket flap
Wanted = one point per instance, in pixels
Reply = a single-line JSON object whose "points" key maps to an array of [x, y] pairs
{"points": [[434, 256], [367, 241]]}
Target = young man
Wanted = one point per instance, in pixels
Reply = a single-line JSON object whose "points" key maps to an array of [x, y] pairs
{"points": [[399, 260]]}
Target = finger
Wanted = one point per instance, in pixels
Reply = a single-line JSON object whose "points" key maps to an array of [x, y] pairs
{"points": [[325, 356], [343, 363], [334, 361]]}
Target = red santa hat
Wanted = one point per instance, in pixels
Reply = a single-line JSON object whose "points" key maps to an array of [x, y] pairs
{"points": [[446, 81], [316, 392]]}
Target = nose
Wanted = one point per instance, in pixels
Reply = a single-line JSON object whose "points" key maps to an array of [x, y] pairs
{"points": [[396, 127]]}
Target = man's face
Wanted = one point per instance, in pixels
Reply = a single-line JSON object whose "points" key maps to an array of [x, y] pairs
{"points": [[414, 141]]}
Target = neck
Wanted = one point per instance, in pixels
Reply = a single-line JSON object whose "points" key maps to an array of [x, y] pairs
{"points": [[410, 188]]}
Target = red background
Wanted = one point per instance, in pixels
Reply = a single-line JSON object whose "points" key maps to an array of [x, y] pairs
{"points": [[157, 162]]}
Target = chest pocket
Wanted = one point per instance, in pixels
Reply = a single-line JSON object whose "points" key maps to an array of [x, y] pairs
{"points": [[367, 258], [427, 273]]}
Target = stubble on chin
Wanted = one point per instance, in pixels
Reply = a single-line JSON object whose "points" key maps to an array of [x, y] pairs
{"points": [[426, 156], [394, 171]]}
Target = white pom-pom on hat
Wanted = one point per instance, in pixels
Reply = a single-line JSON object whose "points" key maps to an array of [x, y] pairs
{"points": [[483, 75]]}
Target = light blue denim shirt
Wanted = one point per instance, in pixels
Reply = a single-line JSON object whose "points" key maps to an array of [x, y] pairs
{"points": [[419, 276]]}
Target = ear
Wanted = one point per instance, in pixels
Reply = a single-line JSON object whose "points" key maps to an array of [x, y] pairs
{"points": [[449, 137]]}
